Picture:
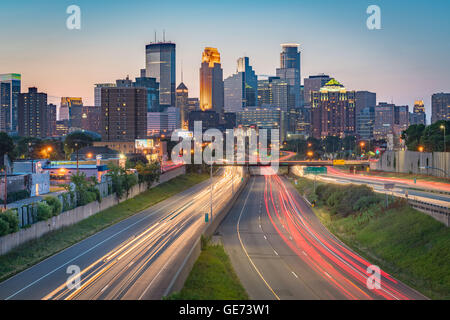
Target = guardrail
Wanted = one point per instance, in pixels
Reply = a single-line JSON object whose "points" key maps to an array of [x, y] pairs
{"points": [[439, 213]]}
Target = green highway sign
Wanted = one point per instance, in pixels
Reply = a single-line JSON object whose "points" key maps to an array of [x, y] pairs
{"points": [[315, 170]]}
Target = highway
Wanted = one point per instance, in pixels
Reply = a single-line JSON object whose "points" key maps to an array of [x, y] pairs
{"points": [[280, 250], [133, 259], [424, 191]]}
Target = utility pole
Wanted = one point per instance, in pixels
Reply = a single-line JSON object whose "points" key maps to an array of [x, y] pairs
{"points": [[76, 145], [6, 189]]}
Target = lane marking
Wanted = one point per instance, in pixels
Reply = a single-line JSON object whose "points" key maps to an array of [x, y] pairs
{"points": [[294, 274], [243, 248]]}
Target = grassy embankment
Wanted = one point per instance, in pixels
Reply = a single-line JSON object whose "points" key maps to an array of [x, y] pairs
{"points": [[51, 243], [406, 243], [212, 277]]}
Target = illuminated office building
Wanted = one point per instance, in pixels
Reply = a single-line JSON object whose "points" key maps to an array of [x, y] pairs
{"points": [[332, 111], [241, 89], [161, 65], [10, 86], [211, 82], [418, 115], [65, 108], [440, 107]]}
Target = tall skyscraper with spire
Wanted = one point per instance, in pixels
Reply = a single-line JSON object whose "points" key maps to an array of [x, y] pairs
{"points": [[211, 82], [161, 65]]}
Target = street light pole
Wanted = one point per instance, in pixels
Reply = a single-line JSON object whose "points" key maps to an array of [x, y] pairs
{"points": [[211, 192]]}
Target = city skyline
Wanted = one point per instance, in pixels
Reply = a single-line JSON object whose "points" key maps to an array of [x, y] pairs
{"points": [[103, 51]]}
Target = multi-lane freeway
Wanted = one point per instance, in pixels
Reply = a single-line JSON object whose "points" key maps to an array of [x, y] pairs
{"points": [[280, 250], [134, 259]]}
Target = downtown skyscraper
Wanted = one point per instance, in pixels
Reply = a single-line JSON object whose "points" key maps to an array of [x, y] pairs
{"points": [[290, 72], [161, 65], [34, 114], [211, 82], [241, 89], [10, 86]]}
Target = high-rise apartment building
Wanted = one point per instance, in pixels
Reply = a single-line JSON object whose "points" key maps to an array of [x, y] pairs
{"points": [[332, 111], [241, 89], [263, 118], [33, 112], [211, 82], [161, 65], [10, 86], [123, 114], [440, 107], [98, 92]]}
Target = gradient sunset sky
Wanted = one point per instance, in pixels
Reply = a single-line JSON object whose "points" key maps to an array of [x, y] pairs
{"points": [[408, 59]]}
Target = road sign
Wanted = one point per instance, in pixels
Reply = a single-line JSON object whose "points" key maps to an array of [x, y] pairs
{"points": [[338, 162], [206, 217], [389, 186], [315, 170]]}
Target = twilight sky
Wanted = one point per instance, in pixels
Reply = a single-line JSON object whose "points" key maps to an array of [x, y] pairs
{"points": [[408, 59]]}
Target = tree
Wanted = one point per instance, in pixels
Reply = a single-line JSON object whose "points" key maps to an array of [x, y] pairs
{"points": [[122, 181], [412, 136], [76, 141], [6, 144], [148, 173]]}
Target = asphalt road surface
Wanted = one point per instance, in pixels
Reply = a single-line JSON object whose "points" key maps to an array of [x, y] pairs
{"points": [[280, 250], [133, 259]]}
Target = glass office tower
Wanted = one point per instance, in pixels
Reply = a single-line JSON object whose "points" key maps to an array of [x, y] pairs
{"points": [[161, 65], [10, 85]]}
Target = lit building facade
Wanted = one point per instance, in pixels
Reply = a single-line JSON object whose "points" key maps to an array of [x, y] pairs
{"points": [[440, 107], [365, 103], [161, 65], [123, 114], [332, 111], [384, 120], [211, 82], [241, 89], [98, 92], [418, 116], [33, 113], [10, 87], [183, 104], [65, 108], [263, 118], [273, 92]]}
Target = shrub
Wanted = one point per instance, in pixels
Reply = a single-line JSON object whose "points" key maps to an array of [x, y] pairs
{"points": [[11, 219], [4, 228], [16, 196], [365, 203], [44, 211], [54, 204]]}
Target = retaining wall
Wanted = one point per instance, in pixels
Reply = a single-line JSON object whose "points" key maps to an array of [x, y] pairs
{"points": [[13, 240]]}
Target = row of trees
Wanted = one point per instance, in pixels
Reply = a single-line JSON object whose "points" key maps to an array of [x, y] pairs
{"points": [[344, 147], [35, 148], [430, 138]]}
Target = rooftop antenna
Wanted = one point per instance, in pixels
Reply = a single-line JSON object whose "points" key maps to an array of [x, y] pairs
{"points": [[155, 35], [181, 70], [164, 35]]}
